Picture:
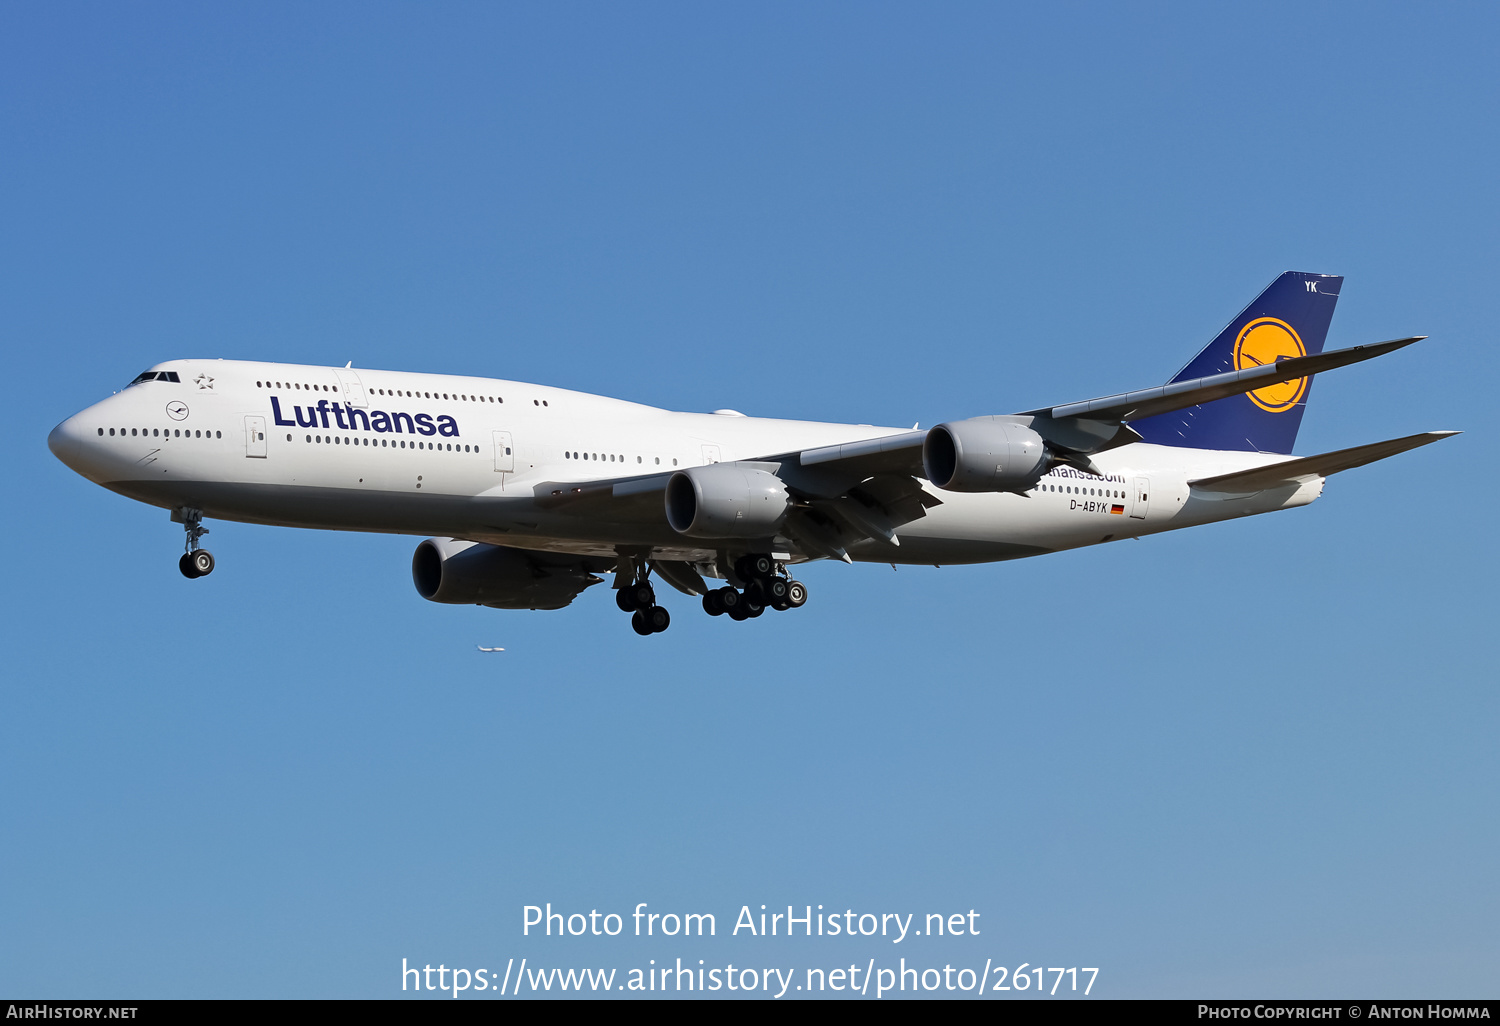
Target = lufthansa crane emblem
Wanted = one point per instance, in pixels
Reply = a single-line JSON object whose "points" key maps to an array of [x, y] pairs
{"points": [[177, 410], [1261, 343]]}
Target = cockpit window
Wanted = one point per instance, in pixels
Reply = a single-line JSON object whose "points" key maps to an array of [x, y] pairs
{"points": [[156, 376]]}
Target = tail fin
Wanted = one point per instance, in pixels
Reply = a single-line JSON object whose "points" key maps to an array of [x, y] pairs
{"points": [[1290, 318]]}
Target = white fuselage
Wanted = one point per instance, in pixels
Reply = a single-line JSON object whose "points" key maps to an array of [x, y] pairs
{"points": [[461, 457]]}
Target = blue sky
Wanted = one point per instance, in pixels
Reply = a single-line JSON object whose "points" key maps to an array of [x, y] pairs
{"points": [[1250, 759]]}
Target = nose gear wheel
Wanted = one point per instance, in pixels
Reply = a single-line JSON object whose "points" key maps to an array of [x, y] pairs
{"points": [[195, 562]]}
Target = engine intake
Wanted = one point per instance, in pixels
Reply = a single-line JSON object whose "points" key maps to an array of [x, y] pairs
{"points": [[726, 500], [472, 573], [985, 454]]}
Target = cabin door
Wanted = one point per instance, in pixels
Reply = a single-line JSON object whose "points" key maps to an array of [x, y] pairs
{"points": [[1140, 498], [255, 437], [505, 460]]}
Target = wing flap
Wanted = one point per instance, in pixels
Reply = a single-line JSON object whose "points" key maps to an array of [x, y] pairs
{"points": [[1289, 471]]}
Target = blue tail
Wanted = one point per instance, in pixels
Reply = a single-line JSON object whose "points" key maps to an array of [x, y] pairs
{"points": [[1290, 318]]}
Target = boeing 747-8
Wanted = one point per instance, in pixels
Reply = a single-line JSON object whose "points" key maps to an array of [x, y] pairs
{"points": [[531, 493]]}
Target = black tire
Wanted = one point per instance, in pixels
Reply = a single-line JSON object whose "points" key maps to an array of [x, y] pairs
{"points": [[185, 564], [711, 604], [796, 594], [781, 605], [759, 564], [658, 618], [775, 589], [738, 613], [755, 591], [729, 599], [203, 562], [754, 609], [624, 600], [638, 623], [643, 594]]}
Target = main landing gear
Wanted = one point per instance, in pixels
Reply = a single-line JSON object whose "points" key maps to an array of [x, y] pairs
{"points": [[639, 600], [195, 562], [766, 585]]}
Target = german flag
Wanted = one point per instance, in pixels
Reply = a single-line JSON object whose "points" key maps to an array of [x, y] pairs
{"points": [[1117, 508]]}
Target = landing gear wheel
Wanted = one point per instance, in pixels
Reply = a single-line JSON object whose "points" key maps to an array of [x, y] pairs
{"points": [[739, 612], [781, 605], [754, 565], [730, 600], [203, 562], [639, 624], [195, 562], [796, 594], [624, 600], [712, 604], [643, 595], [658, 619], [774, 589], [754, 609]]}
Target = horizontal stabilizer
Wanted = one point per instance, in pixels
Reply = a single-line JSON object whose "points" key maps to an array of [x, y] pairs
{"points": [[1179, 395], [1261, 478]]}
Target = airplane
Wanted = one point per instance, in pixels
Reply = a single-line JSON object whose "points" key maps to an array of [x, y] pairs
{"points": [[483, 649], [530, 493]]}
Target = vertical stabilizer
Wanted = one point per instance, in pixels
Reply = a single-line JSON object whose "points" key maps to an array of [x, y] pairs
{"points": [[1290, 318]]}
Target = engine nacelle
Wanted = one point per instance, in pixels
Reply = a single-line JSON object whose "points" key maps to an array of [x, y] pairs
{"points": [[985, 454], [726, 500], [472, 573]]}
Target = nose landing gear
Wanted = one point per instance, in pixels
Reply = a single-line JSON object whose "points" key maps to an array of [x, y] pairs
{"points": [[195, 562]]}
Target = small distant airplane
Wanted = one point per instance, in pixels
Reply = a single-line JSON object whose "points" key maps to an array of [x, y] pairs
{"points": [[483, 649]]}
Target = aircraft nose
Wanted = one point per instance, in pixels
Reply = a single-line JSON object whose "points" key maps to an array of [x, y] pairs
{"points": [[64, 441]]}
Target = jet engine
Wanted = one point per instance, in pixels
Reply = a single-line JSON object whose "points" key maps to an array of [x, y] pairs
{"points": [[463, 573], [726, 500], [985, 454]]}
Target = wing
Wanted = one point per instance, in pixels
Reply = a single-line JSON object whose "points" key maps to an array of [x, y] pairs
{"points": [[841, 494], [865, 491], [1148, 402]]}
